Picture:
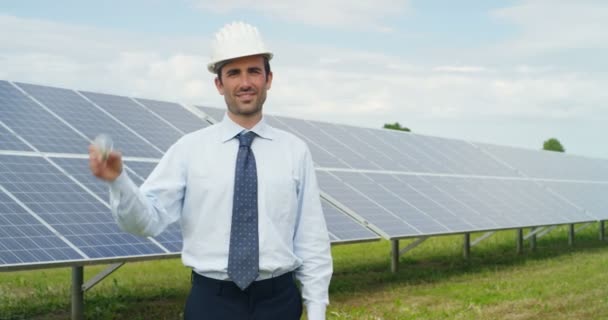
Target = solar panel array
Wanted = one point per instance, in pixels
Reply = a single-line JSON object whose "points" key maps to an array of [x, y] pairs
{"points": [[52, 210], [397, 184], [406, 185]]}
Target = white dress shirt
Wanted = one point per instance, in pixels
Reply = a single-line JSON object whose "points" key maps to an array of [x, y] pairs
{"points": [[194, 183]]}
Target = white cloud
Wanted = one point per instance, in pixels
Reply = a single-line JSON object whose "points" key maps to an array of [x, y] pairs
{"points": [[101, 60], [461, 69], [548, 25], [329, 13], [325, 83]]}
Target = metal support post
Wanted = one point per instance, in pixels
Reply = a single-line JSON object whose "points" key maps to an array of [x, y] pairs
{"points": [[601, 225], [77, 293], [520, 241], [571, 234], [395, 256], [467, 246], [533, 239]]}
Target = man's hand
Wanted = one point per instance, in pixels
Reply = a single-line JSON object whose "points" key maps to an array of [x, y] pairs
{"points": [[108, 169]]}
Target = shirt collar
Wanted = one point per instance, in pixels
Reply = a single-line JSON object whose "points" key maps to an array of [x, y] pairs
{"points": [[229, 129]]}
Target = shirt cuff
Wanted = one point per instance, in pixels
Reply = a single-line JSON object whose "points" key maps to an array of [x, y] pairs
{"points": [[122, 182], [316, 311]]}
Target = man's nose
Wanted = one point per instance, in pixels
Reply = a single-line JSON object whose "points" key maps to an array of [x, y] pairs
{"points": [[245, 81]]}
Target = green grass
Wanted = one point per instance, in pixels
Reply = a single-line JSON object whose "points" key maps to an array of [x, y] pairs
{"points": [[434, 282]]}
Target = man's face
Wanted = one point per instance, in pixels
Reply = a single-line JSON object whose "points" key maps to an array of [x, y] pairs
{"points": [[244, 85]]}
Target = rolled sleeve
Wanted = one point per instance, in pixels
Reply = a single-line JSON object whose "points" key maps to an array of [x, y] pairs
{"points": [[148, 210]]}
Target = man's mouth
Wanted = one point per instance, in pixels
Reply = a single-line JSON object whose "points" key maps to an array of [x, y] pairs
{"points": [[245, 95]]}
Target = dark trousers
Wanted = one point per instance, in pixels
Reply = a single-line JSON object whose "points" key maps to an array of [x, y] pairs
{"points": [[277, 298]]}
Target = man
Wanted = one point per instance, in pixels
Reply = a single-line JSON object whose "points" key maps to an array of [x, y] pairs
{"points": [[246, 197]]}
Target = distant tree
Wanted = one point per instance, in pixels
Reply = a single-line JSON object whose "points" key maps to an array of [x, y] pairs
{"points": [[395, 126], [553, 145]]}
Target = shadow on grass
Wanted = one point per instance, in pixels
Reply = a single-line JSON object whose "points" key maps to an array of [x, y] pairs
{"points": [[372, 272]]}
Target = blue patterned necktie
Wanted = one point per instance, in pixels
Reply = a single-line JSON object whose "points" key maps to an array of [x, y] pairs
{"points": [[243, 257]]}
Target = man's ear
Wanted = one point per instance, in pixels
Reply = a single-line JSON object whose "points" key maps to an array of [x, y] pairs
{"points": [[219, 85], [269, 80]]}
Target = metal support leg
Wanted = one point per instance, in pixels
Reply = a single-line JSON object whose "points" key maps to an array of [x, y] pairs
{"points": [[601, 230], [467, 246], [395, 256], [77, 293], [520, 241], [571, 235], [533, 240]]}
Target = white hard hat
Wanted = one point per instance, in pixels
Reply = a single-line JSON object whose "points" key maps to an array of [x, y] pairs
{"points": [[235, 40]]}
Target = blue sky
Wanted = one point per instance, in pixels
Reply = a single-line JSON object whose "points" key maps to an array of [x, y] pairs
{"points": [[510, 72]]}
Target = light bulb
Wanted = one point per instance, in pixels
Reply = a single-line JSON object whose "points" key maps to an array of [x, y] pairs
{"points": [[104, 145]]}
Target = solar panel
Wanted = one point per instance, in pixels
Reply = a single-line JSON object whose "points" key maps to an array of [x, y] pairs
{"points": [[216, 114], [9, 141], [550, 165], [25, 240], [177, 115], [588, 196], [32, 122], [407, 185], [89, 120], [342, 228], [321, 156], [398, 184], [351, 154], [147, 125], [64, 205], [171, 238]]}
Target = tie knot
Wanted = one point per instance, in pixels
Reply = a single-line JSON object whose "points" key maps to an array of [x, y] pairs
{"points": [[245, 139]]}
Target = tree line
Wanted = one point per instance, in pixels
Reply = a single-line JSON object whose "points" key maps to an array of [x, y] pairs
{"points": [[551, 144]]}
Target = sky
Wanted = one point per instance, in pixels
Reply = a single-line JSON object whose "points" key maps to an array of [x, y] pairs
{"points": [[510, 73]]}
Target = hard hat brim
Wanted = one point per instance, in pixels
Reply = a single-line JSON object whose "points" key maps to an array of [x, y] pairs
{"points": [[215, 65]]}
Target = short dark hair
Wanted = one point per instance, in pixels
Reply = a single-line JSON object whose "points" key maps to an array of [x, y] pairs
{"points": [[266, 68]]}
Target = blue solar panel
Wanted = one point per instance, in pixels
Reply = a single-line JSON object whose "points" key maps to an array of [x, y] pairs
{"points": [[171, 238], [25, 240], [408, 184], [9, 141], [590, 196], [177, 115], [215, 113], [36, 125], [371, 211], [64, 205], [550, 165], [342, 228], [89, 120], [443, 204], [349, 153], [148, 125], [320, 156]]}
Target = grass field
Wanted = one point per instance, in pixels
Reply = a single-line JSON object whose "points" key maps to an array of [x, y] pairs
{"points": [[434, 282]]}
